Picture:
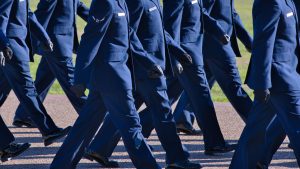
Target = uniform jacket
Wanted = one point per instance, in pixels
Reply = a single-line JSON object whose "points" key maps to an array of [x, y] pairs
{"points": [[105, 45], [16, 20], [185, 20], [146, 20], [224, 12], [275, 51], [58, 17]]}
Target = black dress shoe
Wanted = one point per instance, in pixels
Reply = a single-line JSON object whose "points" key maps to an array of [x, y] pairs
{"points": [[103, 161], [220, 149], [184, 165], [51, 138], [24, 123], [181, 128], [13, 150]]}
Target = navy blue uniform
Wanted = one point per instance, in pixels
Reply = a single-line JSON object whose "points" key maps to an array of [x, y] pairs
{"points": [[6, 135], [101, 62], [14, 23], [59, 19], [275, 132], [274, 66], [185, 21], [220, 60], [146, 20]]}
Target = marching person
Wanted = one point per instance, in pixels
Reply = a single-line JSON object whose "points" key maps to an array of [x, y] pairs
{"points": [[186, 20], [220, 61], [8, 149], [15, 23], [59, 19], [275, 132], [105, 49], [146, 20], [274, 76]]}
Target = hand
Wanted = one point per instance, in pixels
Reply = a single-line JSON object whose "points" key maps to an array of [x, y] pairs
{"points": [[262, 95], [47, 47], [8, 53], [2, 59], [155, 72], [179, 68], [78, 90], [185, 59], [225, 39]]}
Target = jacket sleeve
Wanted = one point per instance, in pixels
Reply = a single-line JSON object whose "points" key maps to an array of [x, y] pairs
{"points": [[83, 11], [140, 55], [174, 47], [136, 47], [101, 13], [241, 32], [3, 41], [37, 29], [173, 10], [266, 15], [44, 11], [211, 25], [136, 12], [5, 8]]}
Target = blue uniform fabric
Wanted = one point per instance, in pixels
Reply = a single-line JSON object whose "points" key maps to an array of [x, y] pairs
{"points": [[106, 146], [37, 31], [274, 65], [103, 53], [185, 20], [16, 74], [183, 113], [59, 19], [220, 60], [275, 132], [6, 136], [146, 20]]}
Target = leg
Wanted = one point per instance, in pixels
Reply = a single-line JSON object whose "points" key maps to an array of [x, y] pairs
{"points": [[195, 84], [19, 78], [6, 135], [253, 137], [288, 113], [174, 91], [181, 114], [4, 88], [63, 69], [124, 116], [43, 82], [108, 137], [274, 138], [154, 93], [225, 71], [81, 134]]}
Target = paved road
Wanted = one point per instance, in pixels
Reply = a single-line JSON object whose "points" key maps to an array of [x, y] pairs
{"points": [[39, 157]]}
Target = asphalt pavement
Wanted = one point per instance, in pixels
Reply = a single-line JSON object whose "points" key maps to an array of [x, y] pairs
{"points": [[40, 157]]}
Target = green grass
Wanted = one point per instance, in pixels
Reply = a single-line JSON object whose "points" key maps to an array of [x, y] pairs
{"points": [[244, 9]]}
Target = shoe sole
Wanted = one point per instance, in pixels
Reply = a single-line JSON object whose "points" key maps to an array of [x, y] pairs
{"points": [[217, 153], [55, 138], [23, 125], [187, 132]]}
